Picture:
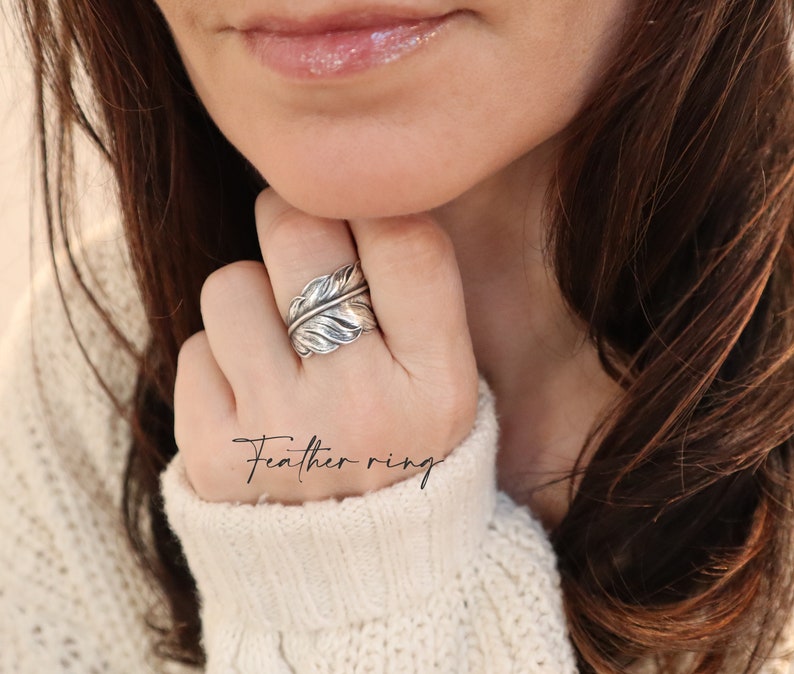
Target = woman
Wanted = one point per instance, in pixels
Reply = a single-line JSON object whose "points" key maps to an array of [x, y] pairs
{"points": [[574, 227]]}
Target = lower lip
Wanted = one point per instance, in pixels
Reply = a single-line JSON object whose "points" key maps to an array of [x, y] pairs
{"points": [[343, 52]]}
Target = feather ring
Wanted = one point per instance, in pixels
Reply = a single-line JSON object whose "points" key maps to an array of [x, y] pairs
{"points": [[331, 310]]}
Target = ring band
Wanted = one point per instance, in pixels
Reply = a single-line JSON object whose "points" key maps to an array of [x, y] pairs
{"points": [[331, 310]]}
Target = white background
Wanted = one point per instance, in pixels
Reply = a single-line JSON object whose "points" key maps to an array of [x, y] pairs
{"points": [[21, 220], [15, 167]]}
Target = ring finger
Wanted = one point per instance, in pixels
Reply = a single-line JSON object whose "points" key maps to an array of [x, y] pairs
{"points": [[297, 248]]}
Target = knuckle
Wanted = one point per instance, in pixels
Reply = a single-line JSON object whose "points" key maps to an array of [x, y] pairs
{"points": [[194, 345], [268, 206], [419, 241], [265, 199], [281, 228], [295, 236], [226, 284]]}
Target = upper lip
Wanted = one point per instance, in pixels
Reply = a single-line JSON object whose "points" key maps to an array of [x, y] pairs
{"points": [[338, 21]]}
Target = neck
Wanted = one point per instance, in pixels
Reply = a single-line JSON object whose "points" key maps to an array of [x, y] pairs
{"points": [[549, 386]]}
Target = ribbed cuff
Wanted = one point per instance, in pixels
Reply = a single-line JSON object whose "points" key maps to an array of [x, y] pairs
{"points": [[331, 563]]}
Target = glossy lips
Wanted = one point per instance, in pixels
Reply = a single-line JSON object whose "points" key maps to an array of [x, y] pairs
{"points": [[324, 53]]}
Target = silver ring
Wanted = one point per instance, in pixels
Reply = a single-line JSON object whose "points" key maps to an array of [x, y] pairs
{"points": [[331, 310]]}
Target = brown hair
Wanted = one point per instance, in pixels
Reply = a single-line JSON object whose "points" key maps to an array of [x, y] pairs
{"points": [[671, 234]]}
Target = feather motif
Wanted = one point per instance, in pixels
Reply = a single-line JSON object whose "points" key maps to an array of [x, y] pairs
{"points": [[331, 310]]}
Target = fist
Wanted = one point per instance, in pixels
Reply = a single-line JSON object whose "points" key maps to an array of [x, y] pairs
{"points": [[254, 420]]}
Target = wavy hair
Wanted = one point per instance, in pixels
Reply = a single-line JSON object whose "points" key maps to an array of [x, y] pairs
{"points": [[671, 233]]}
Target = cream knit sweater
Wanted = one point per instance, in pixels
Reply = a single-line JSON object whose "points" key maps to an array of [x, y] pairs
{"points": [[454, 577]]}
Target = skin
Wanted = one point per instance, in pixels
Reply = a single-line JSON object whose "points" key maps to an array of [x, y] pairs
{"points": [[432, 171]]}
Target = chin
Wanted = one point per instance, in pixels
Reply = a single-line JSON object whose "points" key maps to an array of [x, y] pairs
{"points": [[360, 190], [345, 203]]}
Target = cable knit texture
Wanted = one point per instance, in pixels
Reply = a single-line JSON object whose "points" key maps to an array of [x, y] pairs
{"points": [[454, 577], [449, 578]]}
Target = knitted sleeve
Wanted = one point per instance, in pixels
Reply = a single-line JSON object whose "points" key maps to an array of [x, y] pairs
{"points": [[452, 577]]}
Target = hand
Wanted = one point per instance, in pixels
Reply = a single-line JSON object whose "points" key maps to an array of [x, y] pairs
{"points": [[409, 389]]}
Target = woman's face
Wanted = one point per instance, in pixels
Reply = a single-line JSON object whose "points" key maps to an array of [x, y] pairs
{"points": [[366, 108]]}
